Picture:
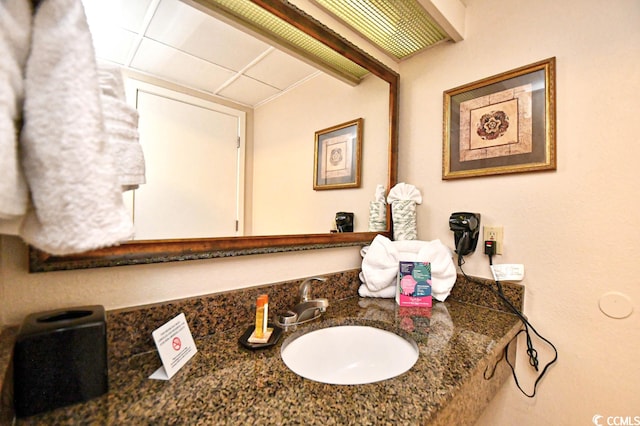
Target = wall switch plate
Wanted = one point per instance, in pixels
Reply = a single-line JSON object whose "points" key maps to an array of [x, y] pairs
{"points": [[494, 233]]}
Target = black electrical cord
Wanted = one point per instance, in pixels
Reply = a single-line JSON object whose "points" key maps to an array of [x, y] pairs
{"points": [[531, 351]]}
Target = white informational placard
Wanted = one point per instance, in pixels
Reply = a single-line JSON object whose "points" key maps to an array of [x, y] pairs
{"points": [[175, 346]]}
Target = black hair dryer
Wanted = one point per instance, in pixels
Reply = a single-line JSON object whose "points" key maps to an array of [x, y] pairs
{"points": [[465, 227], [344, 222]]}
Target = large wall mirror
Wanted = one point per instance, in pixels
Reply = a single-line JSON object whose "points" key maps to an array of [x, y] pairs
{"points": [[279, 209]]}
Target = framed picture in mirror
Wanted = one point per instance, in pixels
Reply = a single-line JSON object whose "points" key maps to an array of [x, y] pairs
{"points": [[338, 156], [501, 124]]}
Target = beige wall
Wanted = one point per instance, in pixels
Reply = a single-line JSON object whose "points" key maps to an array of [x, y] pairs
{"points": [[284, 200], [574, 229], [135, 285]]}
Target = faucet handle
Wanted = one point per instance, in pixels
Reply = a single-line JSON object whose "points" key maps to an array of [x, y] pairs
{"points": [[306, 285]]}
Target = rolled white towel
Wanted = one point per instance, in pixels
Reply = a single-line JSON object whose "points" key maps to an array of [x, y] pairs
{"points": [[15, 30]]}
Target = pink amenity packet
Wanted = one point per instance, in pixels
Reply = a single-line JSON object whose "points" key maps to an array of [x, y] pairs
{"points": [[414, 284]]}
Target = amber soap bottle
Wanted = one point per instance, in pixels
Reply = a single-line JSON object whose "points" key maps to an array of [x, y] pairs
{"points": [[262, 316]]}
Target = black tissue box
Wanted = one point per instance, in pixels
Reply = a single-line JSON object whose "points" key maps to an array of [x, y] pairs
{"points": [[60, 358]]}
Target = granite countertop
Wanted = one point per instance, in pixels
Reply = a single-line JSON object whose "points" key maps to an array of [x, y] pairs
{"points": [[225, 383]]}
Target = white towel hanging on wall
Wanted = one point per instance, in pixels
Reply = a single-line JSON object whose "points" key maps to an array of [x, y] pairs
{"points": [[15, 30], [121, 126], [76, 195]]}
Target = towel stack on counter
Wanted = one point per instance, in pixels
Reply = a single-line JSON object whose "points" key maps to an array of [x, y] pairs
{"points": [[78, 143], [380, 266]]}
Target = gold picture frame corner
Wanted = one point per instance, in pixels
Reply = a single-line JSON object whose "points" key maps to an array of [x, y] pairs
{"points": [[345, 142], [523, 98]]}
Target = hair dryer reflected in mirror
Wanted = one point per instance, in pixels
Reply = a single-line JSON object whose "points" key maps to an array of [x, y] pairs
{"points": [[466, 228], [344, 222]]}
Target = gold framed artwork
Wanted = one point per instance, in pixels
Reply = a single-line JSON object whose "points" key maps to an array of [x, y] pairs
{"points": [[338, 156], [501, 124]]}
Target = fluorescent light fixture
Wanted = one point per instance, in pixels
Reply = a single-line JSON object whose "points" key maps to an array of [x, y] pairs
{"points": [[399, 27]]}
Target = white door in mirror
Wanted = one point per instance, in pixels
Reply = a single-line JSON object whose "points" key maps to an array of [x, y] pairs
{"points": [[194, 151], [349, 355]]}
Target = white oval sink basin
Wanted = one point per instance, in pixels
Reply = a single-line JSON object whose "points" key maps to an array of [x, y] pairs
{"points": [[349, 355]]}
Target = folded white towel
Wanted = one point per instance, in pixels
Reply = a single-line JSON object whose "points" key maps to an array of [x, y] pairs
{"points": [[110, 79], [405, 247], [380, 261], [386, 293], [77, 199], [121, 126], [404, 191], [15, 30], [380, 266], [443, 270], [409, 249]]}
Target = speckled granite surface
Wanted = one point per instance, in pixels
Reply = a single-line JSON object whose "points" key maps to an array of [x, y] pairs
{"points": [[225, 383], [129, 330]]}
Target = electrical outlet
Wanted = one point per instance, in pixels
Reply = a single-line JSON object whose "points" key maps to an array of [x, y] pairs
{"points": [[494, 233]]}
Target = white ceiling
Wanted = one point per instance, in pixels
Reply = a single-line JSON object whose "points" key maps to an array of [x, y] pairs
{"points": [[176, 42]]}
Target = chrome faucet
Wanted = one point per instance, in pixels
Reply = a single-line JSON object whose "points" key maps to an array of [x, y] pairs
{"points": [[305, 287], [307, 309]]}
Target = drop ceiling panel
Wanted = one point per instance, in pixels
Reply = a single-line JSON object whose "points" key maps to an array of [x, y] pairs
{"points": [[178, 43], [171, 64], [127, 14], [280, 70], [113, 43], [248, 91], [183, 27]]}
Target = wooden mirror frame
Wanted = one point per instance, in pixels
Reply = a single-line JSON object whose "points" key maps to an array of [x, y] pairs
{"points": [[160, 251]]}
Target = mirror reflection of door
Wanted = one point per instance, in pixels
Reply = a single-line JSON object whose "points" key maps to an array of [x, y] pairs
{"points": [[193, 150], [171, 44]]}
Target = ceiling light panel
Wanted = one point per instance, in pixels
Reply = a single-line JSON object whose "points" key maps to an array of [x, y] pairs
{"points": [[400, 27]]}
